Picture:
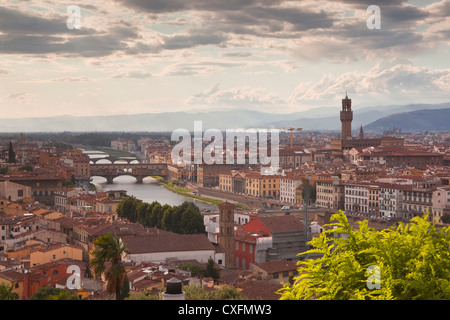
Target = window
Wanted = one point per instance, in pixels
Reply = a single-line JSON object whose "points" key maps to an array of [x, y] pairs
{"points": [[20, 193]]}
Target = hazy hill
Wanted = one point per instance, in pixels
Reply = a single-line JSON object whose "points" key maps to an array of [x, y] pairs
{"points": [[326, 118], [421, 120]]}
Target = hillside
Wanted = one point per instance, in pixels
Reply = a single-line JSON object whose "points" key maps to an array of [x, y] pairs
{"points": [[436, 120]]}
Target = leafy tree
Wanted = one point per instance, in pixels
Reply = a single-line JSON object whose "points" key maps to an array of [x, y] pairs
{"points": [[409, 261], [4, 169], [7, 292], [211, 271], [147, 295], [63, 295], [196, 292], [107, 260], [27, 168], [50, 293], [185, 218], [446, 218], [191, 219], [11, 154], [125, 290]]}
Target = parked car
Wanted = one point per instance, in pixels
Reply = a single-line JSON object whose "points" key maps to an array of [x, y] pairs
{"points": [[286, 208]]}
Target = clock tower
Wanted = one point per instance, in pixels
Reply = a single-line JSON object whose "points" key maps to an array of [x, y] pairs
{"points": [[346, 118]]}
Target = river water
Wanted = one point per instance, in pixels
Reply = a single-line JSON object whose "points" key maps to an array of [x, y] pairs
{"points": [[149, 191]]}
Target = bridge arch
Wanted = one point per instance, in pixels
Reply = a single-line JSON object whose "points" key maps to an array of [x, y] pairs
{"points": [[138, 171]]}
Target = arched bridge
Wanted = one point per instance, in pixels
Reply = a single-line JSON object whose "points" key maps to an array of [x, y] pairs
{"points": [[113, 159], [139, 171]]}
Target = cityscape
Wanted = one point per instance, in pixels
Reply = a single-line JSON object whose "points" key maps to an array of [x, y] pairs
{"points": [[288, 151]]}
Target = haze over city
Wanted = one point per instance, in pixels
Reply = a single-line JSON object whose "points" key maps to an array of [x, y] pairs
{"points": [[130, 56]]}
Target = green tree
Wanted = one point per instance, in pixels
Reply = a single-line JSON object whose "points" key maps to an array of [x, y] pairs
{"points": [[63, 295], [7, 292], [27, 168], [211, 271], [107, 257], [125, 290], [197, 292], [191, 220], [4, 169], [409, 261], [11, 154], [50, 293], [147, 295], [127, 208]]}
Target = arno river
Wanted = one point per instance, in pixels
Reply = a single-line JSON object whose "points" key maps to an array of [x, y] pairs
{"points": [[149, 191]]}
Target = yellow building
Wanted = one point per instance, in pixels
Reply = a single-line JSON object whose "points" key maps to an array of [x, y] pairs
{"points": [[250, 183], [55, 252]]}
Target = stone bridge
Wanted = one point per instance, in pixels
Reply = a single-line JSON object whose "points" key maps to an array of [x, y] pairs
{"points": [[138, 171], [113, 159]]}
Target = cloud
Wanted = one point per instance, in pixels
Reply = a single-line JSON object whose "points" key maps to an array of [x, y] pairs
{"points": [[31, 34], [199, 67], [242, 96], [18, 97], [133, 75], [395, 79]]}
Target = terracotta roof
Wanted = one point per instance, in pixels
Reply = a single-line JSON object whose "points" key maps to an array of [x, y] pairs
{"points": [[12, 275], [277, 266], [259, 289], [167, 243], [280, 224]]}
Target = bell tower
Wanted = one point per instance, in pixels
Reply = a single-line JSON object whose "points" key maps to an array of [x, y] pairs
{"points": [[346, 118], [226, 231]]}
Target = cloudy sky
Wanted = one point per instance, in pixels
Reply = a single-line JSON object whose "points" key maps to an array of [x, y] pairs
{"points": [[138, 56]]}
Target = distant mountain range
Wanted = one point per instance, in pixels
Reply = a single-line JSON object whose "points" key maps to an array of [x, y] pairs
{"points": [[414, 117], [434, 120]]}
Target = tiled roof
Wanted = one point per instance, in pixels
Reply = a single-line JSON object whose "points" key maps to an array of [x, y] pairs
{"points": [[280, 224], [277, 266], [167, 243], [259, 289]]}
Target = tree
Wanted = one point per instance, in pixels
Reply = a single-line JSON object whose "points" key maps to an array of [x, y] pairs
{"points": [[211, 271], [11, 154], [7, 292], [63, 295], [50, 293], [446, 218], [125, 289], [191, 219], [197, 292], [409, 261], [106, 260]]}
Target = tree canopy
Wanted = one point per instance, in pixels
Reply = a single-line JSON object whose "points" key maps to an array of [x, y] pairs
{"points": [[406, 262], [185, 218]]}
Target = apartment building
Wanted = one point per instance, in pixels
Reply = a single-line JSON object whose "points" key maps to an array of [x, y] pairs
{"points": [[357, 197], [291, 190], [330, 194], [441, 203], [390, 200]]}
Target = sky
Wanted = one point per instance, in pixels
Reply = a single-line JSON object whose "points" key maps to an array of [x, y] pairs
{"points": [[152, 56]]}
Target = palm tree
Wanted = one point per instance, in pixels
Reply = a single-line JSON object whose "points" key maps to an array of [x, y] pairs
{"points": [[7, 293], [106, 259]]}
